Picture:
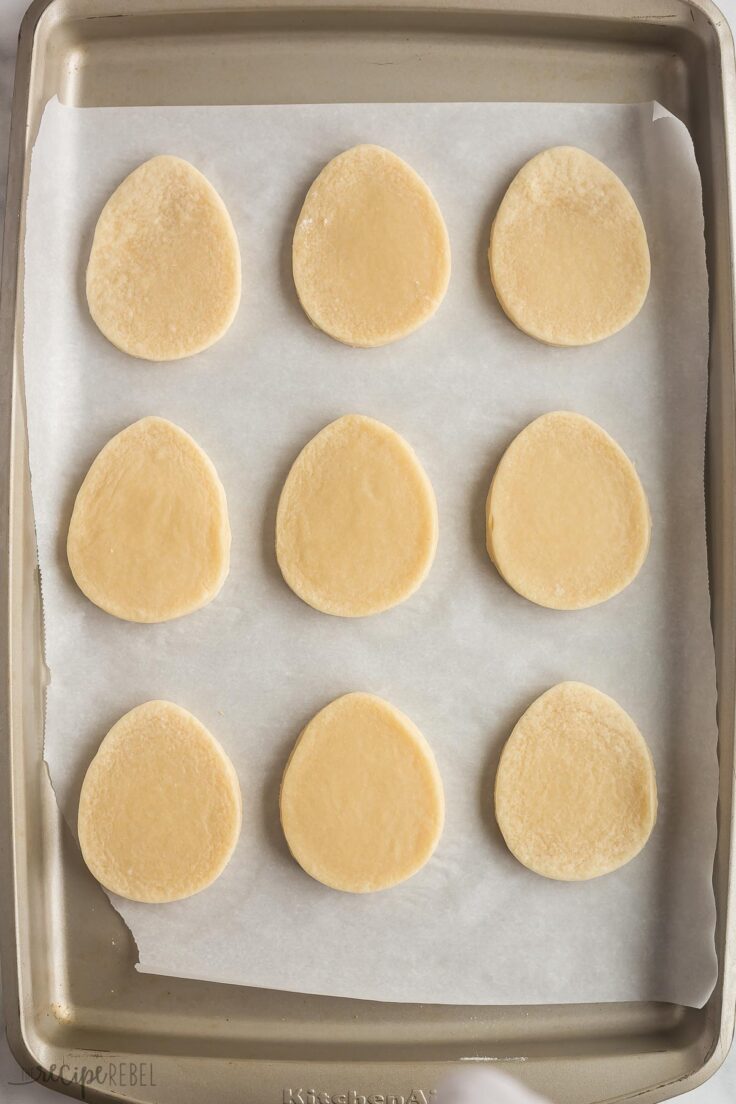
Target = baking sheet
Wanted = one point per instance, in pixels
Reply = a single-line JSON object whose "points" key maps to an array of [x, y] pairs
{"points": [[465, 656]]}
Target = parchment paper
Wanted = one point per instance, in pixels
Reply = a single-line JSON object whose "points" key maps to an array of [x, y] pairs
{"points": [[465, 656]]}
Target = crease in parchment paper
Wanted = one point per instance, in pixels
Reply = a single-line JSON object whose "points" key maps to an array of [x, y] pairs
{"points": [[465, 655]]}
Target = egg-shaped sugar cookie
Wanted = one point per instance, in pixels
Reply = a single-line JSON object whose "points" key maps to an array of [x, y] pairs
{"points": [[576, 793], [149, 538], [371, 255], [362, 804], [569, 257], [356, 526], [160, 808], [567, 520], [163, 278]]}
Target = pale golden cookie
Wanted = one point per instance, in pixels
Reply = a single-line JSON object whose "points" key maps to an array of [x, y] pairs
{"points": [[160, 808], [569, 257], [163, 279], [371, 255], [149, 538], [567, 520], [356, 528], [576, 793], [362, 805]]}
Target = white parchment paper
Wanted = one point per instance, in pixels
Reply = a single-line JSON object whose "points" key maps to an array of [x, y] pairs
{"points": [[465, 656]]}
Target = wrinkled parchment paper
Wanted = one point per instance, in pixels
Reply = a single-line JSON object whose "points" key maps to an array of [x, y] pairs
{"points": [[465, 656]]}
